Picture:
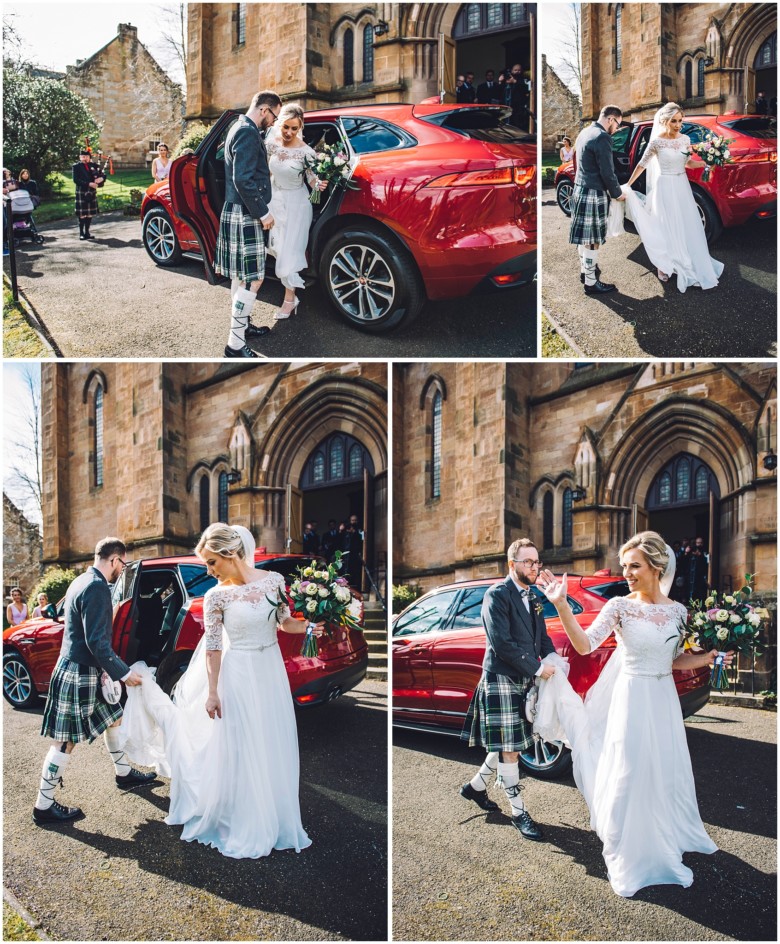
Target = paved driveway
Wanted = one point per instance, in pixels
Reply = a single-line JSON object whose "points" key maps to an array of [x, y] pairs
{"points": [[647, 318], [106, 298], [122, 874], [460, 874]]}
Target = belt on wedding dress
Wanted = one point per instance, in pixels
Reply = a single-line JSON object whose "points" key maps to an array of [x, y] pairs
{"points": [[680, 174], [254, 648], [656, 675]]}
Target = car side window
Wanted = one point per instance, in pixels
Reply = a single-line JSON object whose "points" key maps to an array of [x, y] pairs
{"points": [[469, 614], [123, 588], [367, 136], [316, 134], [426, 615], [695, 132], [548, 610], [620, 139], [644, 140]]}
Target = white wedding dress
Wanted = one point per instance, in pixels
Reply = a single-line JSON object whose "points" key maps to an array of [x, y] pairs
{"points": [[290, 207], [668, 220], [629, 750], [234, 780]]}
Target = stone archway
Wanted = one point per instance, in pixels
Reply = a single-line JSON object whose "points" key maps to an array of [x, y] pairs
{"points": [[751, 30]]}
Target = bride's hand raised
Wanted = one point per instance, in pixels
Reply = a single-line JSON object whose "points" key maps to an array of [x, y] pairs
{"points": [[213, 706], [551, 587]]}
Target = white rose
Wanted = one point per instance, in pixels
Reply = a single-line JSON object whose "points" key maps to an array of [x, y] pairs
{"points": [[324, 592], [321, 155], [339, 161], [722, 633], [710, 601], [311, 590], [735, 618], [729, 599], [311, 606], [354, 608], [308, 572], [727, 153], [721, 616], [754, 619]]}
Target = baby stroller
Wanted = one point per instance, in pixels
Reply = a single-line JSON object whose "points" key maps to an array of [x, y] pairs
{"points": [[22, 207]]}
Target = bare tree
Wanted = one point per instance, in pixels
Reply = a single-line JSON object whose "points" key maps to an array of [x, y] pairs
{"points": [[569, 51], [171, 45], [26, 471], [14, 54]]}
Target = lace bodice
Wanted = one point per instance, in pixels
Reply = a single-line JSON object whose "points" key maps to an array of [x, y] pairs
{"points": [[648, 632], [672, 154], [244, 613], [287, 164]]}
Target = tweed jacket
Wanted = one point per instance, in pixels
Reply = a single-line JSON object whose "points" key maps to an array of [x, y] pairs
{"points": [[595, 169], [88, 625], [247, 177], [516, 639]]}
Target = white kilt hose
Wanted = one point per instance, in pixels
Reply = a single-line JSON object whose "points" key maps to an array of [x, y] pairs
{"points": [[75, 707], [496, 716], [240, 245], [589, 215]]}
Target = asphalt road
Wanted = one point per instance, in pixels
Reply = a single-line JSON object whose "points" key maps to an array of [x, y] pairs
{"points": [[648, 318], [122, 874], [106, 298], [461, 874]]}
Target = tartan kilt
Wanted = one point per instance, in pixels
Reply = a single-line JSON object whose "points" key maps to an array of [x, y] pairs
{"points": [[75, 707], [496, 716], [86, 204], [240, 245], [589, 214]]}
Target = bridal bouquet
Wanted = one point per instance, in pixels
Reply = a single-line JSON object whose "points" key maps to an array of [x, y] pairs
{"points": [[714, 151], [322, 596], [331, 163], [725, 621]]}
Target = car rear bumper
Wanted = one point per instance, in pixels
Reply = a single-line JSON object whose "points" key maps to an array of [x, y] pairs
{"points": [[330, 686], [514, 272]]}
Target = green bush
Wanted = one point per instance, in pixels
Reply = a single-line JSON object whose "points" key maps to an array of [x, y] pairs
{"points": [[404, 594], [548, 178], [192, 138], [54, 584]]}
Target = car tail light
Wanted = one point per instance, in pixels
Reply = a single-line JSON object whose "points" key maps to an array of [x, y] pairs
{"points": [[756, 158], [306, 699], [509, 279], [519, 175], [524, 174]]}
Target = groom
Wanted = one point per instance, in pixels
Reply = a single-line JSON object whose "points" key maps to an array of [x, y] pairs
{"points": [[246, 219], [75, 709], [516, 643], [594, 184]]}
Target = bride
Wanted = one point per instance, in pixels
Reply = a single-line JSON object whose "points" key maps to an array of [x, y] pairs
{"points": [[668, 221], [629, 749], [228, 741], [290, 204]]}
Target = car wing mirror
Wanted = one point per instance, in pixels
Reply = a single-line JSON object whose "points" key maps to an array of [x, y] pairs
{"points": [[50, 610]]}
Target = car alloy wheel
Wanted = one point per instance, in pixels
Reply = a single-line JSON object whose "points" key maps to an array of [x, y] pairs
{"points": [[546, 760], [563, 194], [18, 687], [371, 279], [160, 239]]}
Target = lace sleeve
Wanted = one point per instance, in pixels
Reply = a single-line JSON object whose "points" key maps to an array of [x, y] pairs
{"points": [[605, 623], [280, 590], [681, 617], [309, 156], [212, 619], [650, 150]]}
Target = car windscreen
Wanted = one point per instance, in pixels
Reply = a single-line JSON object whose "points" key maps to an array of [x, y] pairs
{"points": [[755, 126], [481, 125]]}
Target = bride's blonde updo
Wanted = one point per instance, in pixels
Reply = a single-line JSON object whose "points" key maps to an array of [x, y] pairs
{"points": [[221, 539], [652, 545], [288, 111], [665, 112]]}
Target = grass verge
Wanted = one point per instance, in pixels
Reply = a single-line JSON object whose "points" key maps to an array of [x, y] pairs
{"points": [[553, 344], [16, 928], [19, 339], [113, 196]]}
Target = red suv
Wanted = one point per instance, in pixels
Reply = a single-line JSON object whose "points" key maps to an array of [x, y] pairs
{"points": [[445, 205], [158, 617], [734, 194], [439, 645]]}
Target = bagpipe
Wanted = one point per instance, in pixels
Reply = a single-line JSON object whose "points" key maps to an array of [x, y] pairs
{"points": [[94, 165]]}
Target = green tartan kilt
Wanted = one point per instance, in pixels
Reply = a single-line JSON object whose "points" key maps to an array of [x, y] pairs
{"points": [[240, 245], [589, 216], [75, 707], [496, 716]]}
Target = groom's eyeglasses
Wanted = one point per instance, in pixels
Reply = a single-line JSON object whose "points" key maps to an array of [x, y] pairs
{"points": [[529, 563], [122, 562]]}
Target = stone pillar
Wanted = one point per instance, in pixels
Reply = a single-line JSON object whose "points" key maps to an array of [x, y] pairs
{"points": [[55, 453]]}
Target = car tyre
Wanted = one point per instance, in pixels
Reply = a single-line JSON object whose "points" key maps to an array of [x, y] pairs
{"points": [[563, 193], [371, 280], [709, 215], [546, 760], [168, 682], [18, 687], [159, 238]]}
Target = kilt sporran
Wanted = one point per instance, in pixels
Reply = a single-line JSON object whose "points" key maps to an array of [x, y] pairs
{"points": [[75, 707]]}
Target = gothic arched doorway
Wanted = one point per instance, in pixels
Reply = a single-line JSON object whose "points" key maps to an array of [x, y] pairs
{"points": [[765, 65]]}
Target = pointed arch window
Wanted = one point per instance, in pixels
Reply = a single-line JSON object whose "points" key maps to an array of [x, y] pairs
{"points": [[98, 444], [618, 37], [355, 460], [688, 78], [204, 502], [547, 520], [700, 77], [702, 486], [566, 519], [337, 458], [683, 481], [349, 57], [766, 57], [436, 445], [222, 498], [368, 53], [665, 489]]}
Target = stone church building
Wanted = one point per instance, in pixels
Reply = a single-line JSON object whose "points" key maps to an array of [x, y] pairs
{"points": [[329, 54], [711, 58], [154, 452], [131, 96], [21, 551], [562, 110]]}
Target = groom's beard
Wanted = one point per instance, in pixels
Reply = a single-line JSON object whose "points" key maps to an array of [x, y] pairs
{"points": [[523, 580]]}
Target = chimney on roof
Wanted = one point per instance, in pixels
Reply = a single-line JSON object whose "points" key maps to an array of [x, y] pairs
{"points": [[127, 30]]}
